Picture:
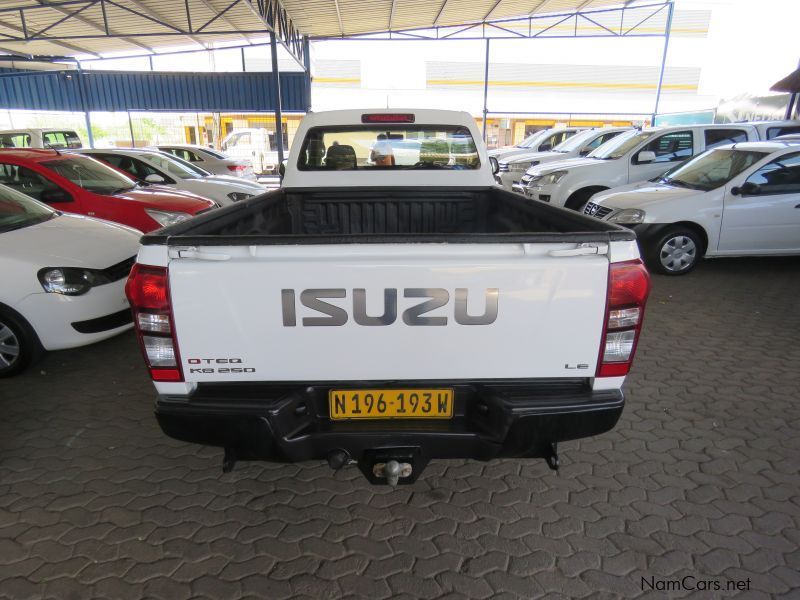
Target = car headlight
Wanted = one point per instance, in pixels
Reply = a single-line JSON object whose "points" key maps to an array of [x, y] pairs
{"points": [[236, 196], [551, 178], [522, 166], [628, 216], [70, 281], [166, 217]]}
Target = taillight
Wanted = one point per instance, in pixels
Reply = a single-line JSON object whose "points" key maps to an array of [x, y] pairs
{"points": [[147, 290], [237, 168], [628, 287]]}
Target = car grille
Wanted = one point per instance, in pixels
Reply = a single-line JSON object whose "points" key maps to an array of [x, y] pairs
{"points": [[119, 270], [596, 210]]}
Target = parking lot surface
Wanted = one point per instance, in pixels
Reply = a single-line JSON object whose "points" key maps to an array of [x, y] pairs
{"points": [[701, 478]]}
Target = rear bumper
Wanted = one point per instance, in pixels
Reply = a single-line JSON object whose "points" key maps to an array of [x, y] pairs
{"points": [[290, 422]]}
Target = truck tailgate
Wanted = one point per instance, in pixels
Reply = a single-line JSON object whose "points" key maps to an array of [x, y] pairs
{"points": [[241, 313]]}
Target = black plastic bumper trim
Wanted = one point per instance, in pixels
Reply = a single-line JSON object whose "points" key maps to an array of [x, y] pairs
{"points": [[106, 323], [289, 422]]}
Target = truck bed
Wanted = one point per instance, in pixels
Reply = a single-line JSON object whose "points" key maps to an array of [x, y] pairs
{"points": [[387, 215]]}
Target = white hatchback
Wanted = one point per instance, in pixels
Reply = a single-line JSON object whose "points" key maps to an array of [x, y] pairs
{"points": [[63, 279], [735, 200]]}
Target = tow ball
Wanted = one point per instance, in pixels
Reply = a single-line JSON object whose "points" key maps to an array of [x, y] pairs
{"points": [[392, 471], [392, 466]]}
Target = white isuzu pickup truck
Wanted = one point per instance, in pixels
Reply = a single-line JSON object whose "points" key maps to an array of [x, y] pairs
{"points": [[385, 313]]}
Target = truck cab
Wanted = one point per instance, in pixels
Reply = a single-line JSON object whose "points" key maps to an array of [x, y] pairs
{"points": [[254, 145]]}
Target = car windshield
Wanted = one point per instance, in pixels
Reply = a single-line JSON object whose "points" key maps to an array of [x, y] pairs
{"points": [[174, 166], [388, 147], [534, 139], [711, 169], [18, 210], [576, 141], [620, 145], [90, 174]]}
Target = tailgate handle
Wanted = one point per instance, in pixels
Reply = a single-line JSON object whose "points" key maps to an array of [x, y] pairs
{"points": [[581, 250], [197, 255]]}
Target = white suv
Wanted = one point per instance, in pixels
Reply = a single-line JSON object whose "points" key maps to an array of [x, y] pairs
{"points": [[539, 141], [636, 156], [628, 158], [511, 169]]}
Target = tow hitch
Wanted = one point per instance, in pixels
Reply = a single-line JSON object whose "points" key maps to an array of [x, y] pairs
{"points": [[392, 466]]}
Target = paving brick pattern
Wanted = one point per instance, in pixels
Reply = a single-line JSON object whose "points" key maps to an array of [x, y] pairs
{"points": [[701, 477]]}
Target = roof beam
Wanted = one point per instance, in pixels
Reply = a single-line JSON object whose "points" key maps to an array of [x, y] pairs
{"points": [[154, 13], [225, 18], [93, 25], [538, 7], [68, 46], [16, 53], [391, 14], [339, 16], [491, 10], [439, 14]]}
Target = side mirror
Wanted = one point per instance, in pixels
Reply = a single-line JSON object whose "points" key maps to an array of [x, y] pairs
{"points": [[55, 195], [282, 169], [645, 156], [584, 151], [748, 188], [545, 147], [154, 178], [495, 165]]}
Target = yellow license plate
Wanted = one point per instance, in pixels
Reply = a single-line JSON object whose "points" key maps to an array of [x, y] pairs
{"points": [[391, 404]]}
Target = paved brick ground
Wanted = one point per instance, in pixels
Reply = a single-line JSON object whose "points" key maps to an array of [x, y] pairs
{"points": [[700, 478]]}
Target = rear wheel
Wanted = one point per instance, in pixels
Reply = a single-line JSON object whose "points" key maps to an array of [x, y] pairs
{"points": [[19, 346], [675, 252]]}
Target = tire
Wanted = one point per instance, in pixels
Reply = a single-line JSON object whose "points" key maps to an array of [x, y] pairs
{"points": [[676, 251], [577, 201], [19, 346]]}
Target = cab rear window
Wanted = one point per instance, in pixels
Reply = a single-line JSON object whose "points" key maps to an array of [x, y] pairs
{"points": [[388, 147]]}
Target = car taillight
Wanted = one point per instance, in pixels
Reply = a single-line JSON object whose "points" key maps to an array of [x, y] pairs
{"points": [[147, 290], [237, 168], [628, 287]]}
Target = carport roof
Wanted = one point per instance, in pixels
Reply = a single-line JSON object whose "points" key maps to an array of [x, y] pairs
{"points": [[106, 27]]}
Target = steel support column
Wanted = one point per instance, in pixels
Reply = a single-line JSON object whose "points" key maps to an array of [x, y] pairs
{"points": [[485, 89], [87, 118], [307, 65], [670, 9], [130, 128], [276, 78], [790, 106]]}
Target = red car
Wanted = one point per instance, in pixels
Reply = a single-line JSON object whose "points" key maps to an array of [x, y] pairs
{"points": [[79, 184]]}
